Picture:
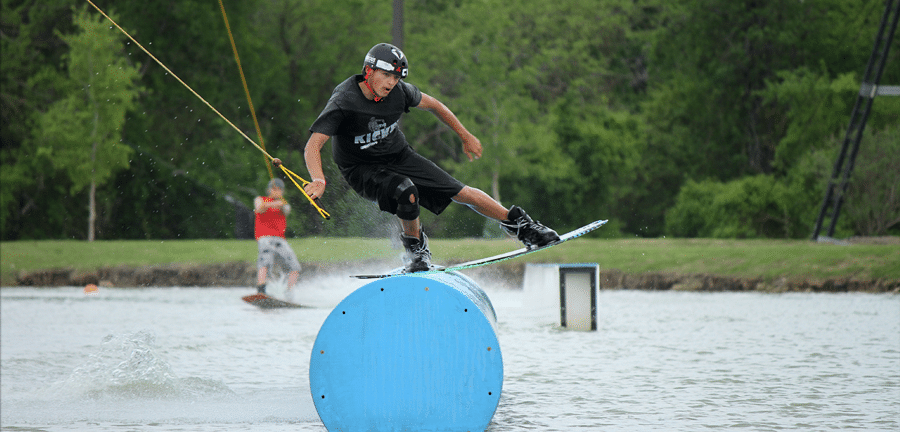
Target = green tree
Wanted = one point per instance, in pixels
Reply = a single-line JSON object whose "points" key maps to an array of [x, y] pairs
{"points": [[817, 109], [873, 198], [750, 207], [32, 77], [81, 133], [742, 88], [310, 47], [505, 77], [610, 107], [604, 147], [714, 57]]}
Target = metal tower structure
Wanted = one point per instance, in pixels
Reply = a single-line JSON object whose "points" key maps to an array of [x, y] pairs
{"points": [[843, 167]]}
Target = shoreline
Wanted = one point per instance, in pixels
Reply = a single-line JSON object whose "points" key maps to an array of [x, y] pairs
{"points": [[243, 274]]}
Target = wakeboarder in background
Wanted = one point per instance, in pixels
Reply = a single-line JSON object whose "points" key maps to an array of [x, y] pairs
{"points": [[271, 213], [274, 251]]}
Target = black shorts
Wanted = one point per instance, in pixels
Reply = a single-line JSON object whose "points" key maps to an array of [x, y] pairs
{"points": [[378, 182]]}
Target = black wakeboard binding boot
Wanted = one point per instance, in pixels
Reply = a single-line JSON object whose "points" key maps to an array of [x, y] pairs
{"points": [[530, 232], [418, 257]]}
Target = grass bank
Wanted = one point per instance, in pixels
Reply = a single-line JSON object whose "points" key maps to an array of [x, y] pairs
{"points": [[768, 259]]}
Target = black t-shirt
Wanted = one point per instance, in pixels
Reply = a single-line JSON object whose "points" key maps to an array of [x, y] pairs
{"points": [[361, 130]]}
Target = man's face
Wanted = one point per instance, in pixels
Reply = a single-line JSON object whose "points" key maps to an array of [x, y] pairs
{"points": [[276, 192], [383, 82]]}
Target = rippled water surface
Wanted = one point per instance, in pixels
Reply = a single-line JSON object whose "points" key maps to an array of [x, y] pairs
{"points": [[199, 359]]}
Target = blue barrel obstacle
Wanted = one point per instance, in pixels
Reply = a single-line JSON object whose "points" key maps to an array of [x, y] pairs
{"points": [[409, 353]]}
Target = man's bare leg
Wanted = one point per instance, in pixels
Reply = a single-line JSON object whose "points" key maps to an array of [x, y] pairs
{"points": [[514, 221], [411, 228], [261, 274], [481, 203]]}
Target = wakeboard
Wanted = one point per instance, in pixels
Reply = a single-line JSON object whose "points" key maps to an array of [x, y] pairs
{"points": [[264, 301], [496, 258]]}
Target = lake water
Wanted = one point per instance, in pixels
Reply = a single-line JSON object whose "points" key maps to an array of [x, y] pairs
{"points": [[200, 359]]}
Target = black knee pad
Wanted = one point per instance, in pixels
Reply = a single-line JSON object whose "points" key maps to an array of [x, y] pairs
{"points": [[407, 197]]}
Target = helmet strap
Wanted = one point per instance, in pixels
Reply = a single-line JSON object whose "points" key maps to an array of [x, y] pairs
{"points": [[369, 72]]}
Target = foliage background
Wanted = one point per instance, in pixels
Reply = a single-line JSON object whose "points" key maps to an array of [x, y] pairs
{"points": [[708, 118]]}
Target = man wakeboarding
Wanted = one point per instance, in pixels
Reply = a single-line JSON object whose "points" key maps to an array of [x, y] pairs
{"points": [[362, 119]]}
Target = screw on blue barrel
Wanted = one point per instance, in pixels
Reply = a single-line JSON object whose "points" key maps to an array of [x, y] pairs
{"points": [[409, 353]]}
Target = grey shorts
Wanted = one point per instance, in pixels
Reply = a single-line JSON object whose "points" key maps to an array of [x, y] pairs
{"points": [[272, 249]]}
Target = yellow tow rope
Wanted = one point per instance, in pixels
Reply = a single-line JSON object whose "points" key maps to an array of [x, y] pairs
{"points": [[291, 175], [237, 59]]}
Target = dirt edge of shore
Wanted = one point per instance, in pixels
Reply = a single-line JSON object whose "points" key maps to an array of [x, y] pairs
{"points": [[243, 274]]}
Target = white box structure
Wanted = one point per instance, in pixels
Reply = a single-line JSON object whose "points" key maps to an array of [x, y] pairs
{"points": [[569, 288], [578, 296]]}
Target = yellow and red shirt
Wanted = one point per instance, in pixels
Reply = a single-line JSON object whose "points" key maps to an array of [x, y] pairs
{"points": [[270, 222]]}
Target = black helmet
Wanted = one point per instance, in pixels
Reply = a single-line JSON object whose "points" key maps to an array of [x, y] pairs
{"points": [[388, 58]]}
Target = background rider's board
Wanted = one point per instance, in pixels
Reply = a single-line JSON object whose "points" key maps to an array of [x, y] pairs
{"points": [[263, 301]]}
